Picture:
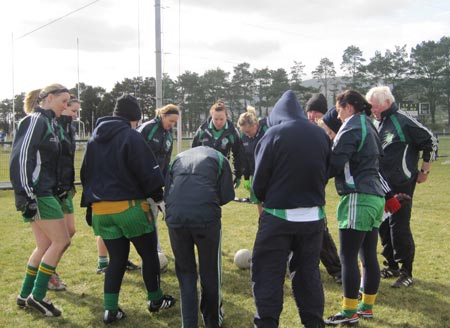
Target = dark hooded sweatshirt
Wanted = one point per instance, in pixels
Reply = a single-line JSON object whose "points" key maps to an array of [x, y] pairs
{"points": [[119, 165], [291, 159]]}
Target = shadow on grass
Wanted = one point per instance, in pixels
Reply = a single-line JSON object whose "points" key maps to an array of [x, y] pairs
{"points": [[422, 298]]}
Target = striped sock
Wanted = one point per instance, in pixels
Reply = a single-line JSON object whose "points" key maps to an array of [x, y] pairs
{"points": [[40, 285], [111, 301], [349, 306], [102, 262], [367, 302], [28, 281]]}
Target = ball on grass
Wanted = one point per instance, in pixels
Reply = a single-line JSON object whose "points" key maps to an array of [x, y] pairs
{"points": [[242, 258], [163, 262]]}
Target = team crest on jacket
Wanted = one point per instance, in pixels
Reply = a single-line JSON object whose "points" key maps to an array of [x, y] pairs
{"points": [[225, 142], [168, 144], [388, 140]]}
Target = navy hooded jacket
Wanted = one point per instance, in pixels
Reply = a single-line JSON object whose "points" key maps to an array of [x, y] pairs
{"points": [[291, 159], [119, 165]]}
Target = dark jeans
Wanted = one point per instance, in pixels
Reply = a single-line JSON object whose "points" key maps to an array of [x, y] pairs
{"points": [[396, 236], [275, 239], [207, 240]]}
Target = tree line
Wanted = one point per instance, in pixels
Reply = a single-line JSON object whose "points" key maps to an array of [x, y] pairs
{"points": [[422, 75]]}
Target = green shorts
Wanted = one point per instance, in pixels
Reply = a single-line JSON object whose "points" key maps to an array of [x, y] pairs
{"points": [[49, 208], [67, 204], [130, 223], [361, 212]]}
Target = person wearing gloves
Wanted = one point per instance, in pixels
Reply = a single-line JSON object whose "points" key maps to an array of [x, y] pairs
{"points": [[403, 138], [355, 166], [291, 165], [252, 131], [219, 133], [198, 183], [34, 177], [158, 134], [331, 123], [119, 172]]}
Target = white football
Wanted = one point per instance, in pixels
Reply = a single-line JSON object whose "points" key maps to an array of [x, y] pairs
{"points": [[163, 262], [242, 258]]}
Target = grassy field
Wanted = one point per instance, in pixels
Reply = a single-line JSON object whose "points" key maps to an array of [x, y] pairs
{"points": [[426, 304]]}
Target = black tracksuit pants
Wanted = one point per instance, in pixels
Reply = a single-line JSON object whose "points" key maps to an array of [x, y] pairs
{"points": [[395, 233], [275, 239], [208, 243], [329, 255]]}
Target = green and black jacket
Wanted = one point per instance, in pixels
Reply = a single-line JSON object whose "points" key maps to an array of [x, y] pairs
{"points": [[226, 141], [403, 138], [159, 140], [355, 157], [249, 145], [34, 157]]}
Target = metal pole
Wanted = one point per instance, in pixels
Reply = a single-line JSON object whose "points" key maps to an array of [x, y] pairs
{"points": [[13, 95], [78, 87], [158, 53], [180, 120]]}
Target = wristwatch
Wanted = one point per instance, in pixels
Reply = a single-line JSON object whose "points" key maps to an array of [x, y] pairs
{"points": [[424, 172]]}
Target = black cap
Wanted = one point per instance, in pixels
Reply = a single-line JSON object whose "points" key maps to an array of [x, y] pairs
{"points": [[317, 103], [127, 106], [331, 120]]}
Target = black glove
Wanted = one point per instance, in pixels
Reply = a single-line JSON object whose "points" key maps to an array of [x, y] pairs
{"points": [[30, 209], [89, 216], [61, 193]]}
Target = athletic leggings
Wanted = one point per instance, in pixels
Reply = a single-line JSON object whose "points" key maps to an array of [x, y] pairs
{"points": [[119, 250], [364, 243]]}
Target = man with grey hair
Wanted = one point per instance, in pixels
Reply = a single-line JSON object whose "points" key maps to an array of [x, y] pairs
{"points": [[402, 138]]}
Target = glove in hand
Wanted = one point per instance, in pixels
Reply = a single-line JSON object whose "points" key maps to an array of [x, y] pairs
{"points": [[30, 209], [392, 205], [62, 194]]}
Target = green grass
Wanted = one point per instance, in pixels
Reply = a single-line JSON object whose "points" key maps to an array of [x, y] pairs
{"points": [[425, 305]]}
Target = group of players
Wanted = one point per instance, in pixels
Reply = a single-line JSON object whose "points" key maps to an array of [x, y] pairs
{"points": [[286, 161]]}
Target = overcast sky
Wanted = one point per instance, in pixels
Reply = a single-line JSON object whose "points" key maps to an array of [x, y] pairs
{"points": [[116, 38]]}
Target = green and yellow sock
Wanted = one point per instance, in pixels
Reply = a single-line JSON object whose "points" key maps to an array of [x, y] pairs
{"points": [[28, 281], [155, 296], [102, 262], [111, 301], [367, 302], [349, 306], [40, 284]]}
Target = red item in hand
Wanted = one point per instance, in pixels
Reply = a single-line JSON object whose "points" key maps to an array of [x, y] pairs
{"points": [[392, 205]]}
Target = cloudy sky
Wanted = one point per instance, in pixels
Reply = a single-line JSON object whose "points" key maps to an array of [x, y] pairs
{"points": [[116, 38]]}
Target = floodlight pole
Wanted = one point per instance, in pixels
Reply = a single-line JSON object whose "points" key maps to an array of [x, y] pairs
{"points": [[13, 96], [158, 76]]}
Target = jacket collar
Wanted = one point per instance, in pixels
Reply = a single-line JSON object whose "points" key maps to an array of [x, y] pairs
{"points": [[391, 110]]}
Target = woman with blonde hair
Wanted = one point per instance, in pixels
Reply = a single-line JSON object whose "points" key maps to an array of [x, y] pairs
{"points": [[33, 172], [158, 134], [66, 185], [219, 132], [252, 130]]}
